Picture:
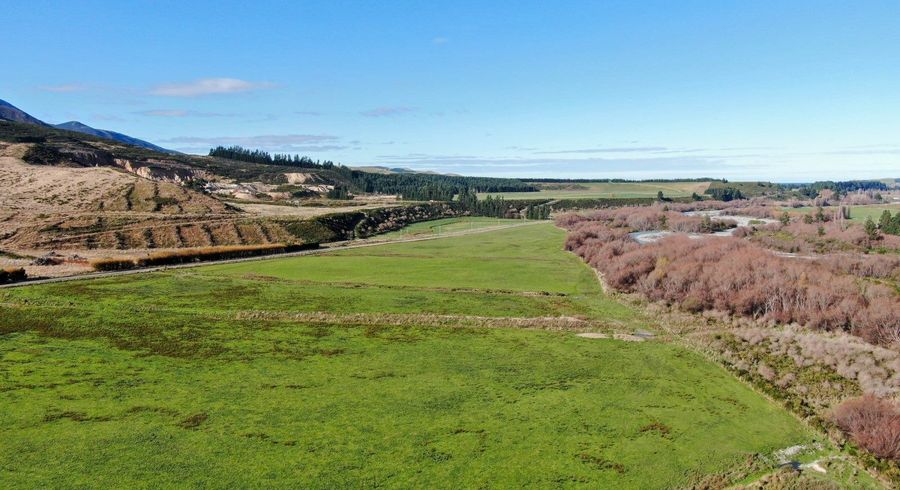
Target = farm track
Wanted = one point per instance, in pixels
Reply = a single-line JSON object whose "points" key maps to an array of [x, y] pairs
{"points": [[335, 246]]}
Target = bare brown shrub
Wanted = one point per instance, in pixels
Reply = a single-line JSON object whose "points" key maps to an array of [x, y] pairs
{"points": [[872, 423], [757, 207], [820, 237], [113, 264], [731, 275], [874, 369], [880, 266]]}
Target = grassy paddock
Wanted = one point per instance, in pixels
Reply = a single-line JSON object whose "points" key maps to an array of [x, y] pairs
{"points": [[860, 213], [200, 377], [448, 225], [857, 213]]}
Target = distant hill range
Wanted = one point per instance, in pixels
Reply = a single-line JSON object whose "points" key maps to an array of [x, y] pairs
{"points": [[378, 169], [9, 112], [110, 135]]}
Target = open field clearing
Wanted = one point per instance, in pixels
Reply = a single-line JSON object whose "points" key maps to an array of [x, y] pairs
{"points": [[449, 225], [588, 190], [860, 213], [857, 213], [347, 369]]}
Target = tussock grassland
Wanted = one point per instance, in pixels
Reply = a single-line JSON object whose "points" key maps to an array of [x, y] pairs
{"points": [[222, 376]]}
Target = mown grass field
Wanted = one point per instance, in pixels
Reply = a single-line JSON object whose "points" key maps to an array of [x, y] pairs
{"points": [[213, 376], [860, 213], [588, 190], [448, 225], [857, 213]]}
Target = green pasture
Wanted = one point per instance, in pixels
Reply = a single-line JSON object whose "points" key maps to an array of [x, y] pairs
{"points": [[199, 377], [857, 213], [448, 225]]}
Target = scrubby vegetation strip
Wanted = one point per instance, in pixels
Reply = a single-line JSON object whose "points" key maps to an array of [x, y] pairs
{"points": [[746, 286], [729, 274], [183, 256], [552, 323]]}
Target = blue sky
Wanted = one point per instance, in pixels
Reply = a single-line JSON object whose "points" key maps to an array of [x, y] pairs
{"points": [[778, 90]]}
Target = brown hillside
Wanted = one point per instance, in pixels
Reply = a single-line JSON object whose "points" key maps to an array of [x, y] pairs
{"points": [[46, 207]]}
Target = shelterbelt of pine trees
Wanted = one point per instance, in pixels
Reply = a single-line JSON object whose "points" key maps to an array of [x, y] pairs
{"points": [[409, 186]]}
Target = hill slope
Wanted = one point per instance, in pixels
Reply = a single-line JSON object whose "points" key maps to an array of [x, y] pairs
{"points": [[9, 112], [79, 127], [52, 146]]}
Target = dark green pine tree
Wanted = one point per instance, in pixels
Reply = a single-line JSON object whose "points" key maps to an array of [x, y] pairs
{"points": [[885, 222], [871, 229]]}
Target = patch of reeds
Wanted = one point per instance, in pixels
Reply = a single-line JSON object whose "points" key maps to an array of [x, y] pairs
{"points": [[561, 323], [202, 254]]}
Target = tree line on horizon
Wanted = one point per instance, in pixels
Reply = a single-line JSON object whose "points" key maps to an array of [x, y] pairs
{"points": [[411, 187], [239, 153]]}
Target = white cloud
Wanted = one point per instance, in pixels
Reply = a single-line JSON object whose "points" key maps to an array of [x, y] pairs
{"points": [[65, 88], [164, 113], [260, 140], [386, 111], [440, 40], [106, 117], [644, 149], [182, 113], [208, 86], [288, 143]]}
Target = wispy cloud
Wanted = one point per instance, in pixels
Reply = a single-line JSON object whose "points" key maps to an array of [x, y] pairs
{"points": [[182, 113], [630, 149], [387, 111], [260, 140], [440, 40], [307, 113], [106, 117], [738, 167], [65, 88], [649, 150], [581, 167], [208, 86], [872, 151], [290, 143], [877, 145]]}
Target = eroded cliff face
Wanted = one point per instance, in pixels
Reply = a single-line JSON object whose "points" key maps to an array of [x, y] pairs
{"points": [[162, 171], [159, 170], [303, 178]]}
